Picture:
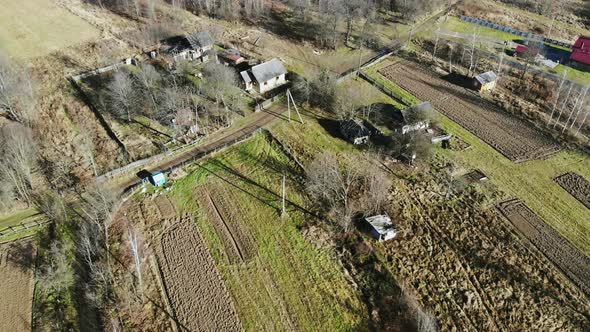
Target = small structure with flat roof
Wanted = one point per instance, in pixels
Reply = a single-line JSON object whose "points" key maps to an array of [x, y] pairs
{"points": [[486, 81], [157, 179], [381, 227]]}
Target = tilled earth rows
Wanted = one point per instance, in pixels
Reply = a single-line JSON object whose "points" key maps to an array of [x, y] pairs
{"points": [[16, 288], [511, 136], [470, 272], [577, 186], [196, 291], [574, 264]]}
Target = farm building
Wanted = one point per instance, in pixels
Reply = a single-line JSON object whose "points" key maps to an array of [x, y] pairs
{"points": [[486, 81], [355, 131], [265, 76], [157, 179], [381, 227], [581, 51], [193, 47], [413, 119], [231, 57]]}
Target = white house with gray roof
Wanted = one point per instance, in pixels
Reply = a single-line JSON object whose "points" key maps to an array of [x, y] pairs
{"points": [[265, 76]]}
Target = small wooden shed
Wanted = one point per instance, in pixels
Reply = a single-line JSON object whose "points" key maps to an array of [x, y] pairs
{"points": [[381, 227], [486, 81]]}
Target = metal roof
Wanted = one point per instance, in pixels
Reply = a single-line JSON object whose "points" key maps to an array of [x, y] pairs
{"points": [[246, 76], [354, 128], [381, 223], [268, 70], [200, 39], [486, 77]]}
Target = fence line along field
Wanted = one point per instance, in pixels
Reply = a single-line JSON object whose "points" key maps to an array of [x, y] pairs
{"points": [[509, 135], [574, 264], [577, 186], [16, 285], [30, 28], [196, 292]]}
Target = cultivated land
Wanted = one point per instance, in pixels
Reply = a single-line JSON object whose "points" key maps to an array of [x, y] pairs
{"points": [[458, 257], [16, 285], [277, 278], [577, 186], [195, 291], [511, 136], [30, 28]]}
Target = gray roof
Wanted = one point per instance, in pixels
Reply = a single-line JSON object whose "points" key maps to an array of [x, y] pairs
{"points": [[486, 77], [246, 76], [354, 128], [268, 70], [200, 39], [381, 223]]}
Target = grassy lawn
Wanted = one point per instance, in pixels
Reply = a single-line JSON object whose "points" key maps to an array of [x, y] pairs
{"points": [[30, 28], [531, 181], [458, 25], [573, 74], [17, 217], [288, 283]]}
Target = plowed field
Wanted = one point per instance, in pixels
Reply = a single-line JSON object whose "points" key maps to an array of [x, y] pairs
{"points": [[195, 290], [511, 136], [577, 186], [573, 263], [16, 287]]}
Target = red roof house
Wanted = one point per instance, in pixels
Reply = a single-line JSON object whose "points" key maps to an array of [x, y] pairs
{"points": [[581, 50]]}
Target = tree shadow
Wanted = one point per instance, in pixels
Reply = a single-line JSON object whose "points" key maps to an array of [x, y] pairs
{"points": [[22, 255], [461, 80]]}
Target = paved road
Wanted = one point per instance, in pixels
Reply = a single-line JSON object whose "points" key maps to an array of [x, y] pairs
{"points": [[261, 119]]}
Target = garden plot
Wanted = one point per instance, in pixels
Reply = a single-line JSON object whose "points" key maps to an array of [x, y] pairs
{"points": [[577, 186], [574, 264], [511, 136], [16, 285], [195, 290], [465, 266]]}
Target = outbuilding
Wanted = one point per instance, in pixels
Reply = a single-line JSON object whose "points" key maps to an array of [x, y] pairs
{"points": [[191, 47], [581, 52], [485, 82], [412, 119], [265, 76], [157, 179], [381, 227], [355, 131]]}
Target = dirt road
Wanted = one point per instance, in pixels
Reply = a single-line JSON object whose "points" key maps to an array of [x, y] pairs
{"points": [[261, 119]]}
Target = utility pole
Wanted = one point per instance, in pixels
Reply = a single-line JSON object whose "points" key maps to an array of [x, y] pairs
{"points": [[290, 100]]}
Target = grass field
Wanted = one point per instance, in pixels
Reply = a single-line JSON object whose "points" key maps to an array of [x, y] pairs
{"points": [[17, 217], [531, 181], [287, 283], [30, 28]]}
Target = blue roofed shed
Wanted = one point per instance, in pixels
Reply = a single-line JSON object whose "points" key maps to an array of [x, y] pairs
{"points": [[157, 179]]}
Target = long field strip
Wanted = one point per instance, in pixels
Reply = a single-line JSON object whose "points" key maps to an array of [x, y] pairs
{"points": [[16, 286], [278, 279], [511, 136]]}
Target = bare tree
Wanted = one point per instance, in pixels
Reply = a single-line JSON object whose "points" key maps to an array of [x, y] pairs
{"points": [[19, 159], [17, 96], [137, 250], [150, 81], [122, 95]]}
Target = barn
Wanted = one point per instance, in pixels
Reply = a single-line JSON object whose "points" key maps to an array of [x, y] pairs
{"points": [[581, 51], [355, 131]]}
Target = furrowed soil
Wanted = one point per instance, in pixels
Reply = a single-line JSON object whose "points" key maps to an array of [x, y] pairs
{"points": [[196, 292], [467, 267], [574, 264], [509, 135], [16, 285], [577, 186]]}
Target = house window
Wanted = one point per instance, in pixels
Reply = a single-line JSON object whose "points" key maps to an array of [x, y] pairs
{"points": [[264, 83]]}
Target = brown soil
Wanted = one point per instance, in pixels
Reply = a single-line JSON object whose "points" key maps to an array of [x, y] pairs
{"points": [[16, 285], [573, 263], [475, 176], [237, 244], [577, 186], [195, 290], [511, 136], [165, 206], [469, 270]]}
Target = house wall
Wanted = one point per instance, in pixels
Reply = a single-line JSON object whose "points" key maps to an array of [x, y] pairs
{"points": [[418, 126], [272, 83], [488, 86]]}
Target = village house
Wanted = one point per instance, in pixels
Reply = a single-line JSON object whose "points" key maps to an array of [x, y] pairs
{"points": [[580, 56], [485, 82], [355, 131], [194, 47], [265, 76], [381, 227], [413, 119]]}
